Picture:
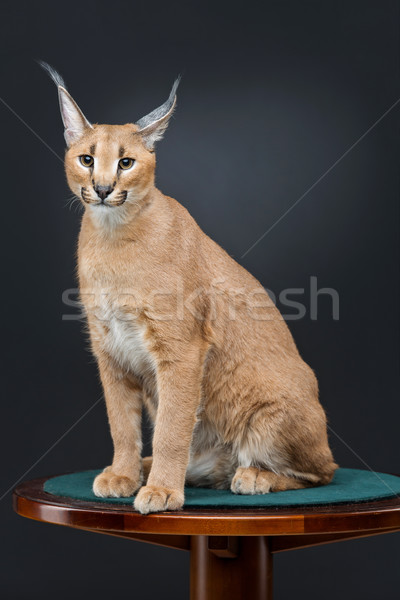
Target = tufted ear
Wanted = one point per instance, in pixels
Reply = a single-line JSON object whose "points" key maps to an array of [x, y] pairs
{"points": [[153, 125], [75, 122]]}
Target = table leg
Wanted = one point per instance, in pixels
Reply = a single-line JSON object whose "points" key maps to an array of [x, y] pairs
{"points": [[243, 570]]}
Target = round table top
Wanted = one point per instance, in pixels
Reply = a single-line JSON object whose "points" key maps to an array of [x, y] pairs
{"points": [[30, 500]]}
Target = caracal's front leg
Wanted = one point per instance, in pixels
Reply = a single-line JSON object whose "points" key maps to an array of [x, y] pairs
{"points": [[124, 409], [179, 392]]}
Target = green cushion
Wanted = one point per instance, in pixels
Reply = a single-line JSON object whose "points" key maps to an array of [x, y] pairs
{"points": [[348, 485]]}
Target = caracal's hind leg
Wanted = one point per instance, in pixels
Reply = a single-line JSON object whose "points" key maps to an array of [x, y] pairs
{"points": [[147, 461], [251, 480]]}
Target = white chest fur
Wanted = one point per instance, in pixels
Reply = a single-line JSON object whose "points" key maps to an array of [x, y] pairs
{"points": [[122, 337]]}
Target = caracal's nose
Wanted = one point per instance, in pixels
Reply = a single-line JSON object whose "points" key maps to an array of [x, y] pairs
{"points": [[103, 191]]}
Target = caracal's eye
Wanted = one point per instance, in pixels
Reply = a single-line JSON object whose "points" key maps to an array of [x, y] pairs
{"points": [[86, 160], [126, 163]]}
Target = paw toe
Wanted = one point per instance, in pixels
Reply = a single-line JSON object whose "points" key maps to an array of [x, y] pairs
{"points": [[244, 481], [263, 483]]}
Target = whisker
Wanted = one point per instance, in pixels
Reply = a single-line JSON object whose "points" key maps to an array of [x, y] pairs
{"points": [[69, 200], [74, 202]]}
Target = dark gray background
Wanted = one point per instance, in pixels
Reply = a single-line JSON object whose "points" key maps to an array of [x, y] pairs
{"points": [[273, 94]]}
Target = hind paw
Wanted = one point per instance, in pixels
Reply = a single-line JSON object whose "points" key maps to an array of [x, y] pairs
{"points": [[250, 480]]}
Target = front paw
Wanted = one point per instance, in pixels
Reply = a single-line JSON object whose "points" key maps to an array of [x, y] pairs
{"points": [[111, 485], [152, 499]]}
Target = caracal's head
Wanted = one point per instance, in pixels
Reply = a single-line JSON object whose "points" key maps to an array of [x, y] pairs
{"points": [[110, 167]]}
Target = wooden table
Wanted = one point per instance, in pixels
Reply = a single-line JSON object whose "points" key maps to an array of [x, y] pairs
{"points": [[231, 550]]}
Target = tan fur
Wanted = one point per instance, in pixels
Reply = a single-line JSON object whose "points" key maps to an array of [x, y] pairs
{"points": [[177, 325]]}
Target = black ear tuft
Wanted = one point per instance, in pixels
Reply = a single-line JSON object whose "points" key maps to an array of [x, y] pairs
{"points": [[56, 77], [153, 125], [75, 122]]}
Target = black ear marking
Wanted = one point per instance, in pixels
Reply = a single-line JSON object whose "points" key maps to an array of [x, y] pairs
{"points": [[75, 122], [152, 127]]}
